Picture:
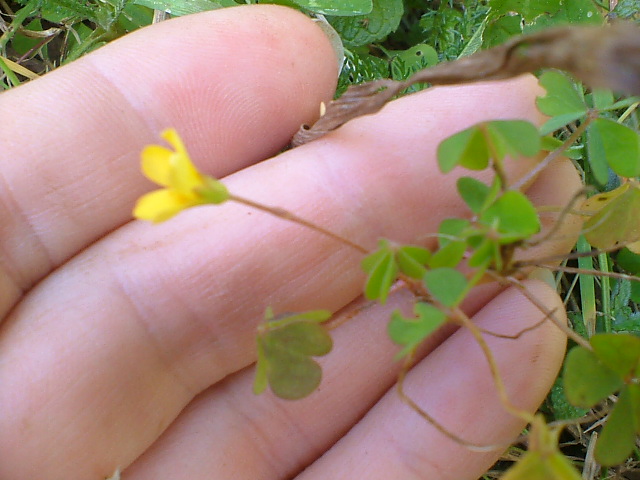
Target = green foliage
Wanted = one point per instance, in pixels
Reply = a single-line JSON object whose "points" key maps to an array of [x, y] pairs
{"points": [[474, 193], [571, 12], [612, 144], [474, 147], [467, 148], [452, 243], [587, 380], [529, 9], [512, 216], [625, 319], [591, 376], [550, 143], [627, 9], [537, 466], [359, 68], [446, 285], [543, 461], [392, 39], [614, 220], [412, 260], [617, 439], [621, 353], [384, 265], [628, 261], [406, 63], [334, 7], [383, 271], [560, 406], [359, 30], [180, 7], [502, 29], [411, 332], [564, 101], [513, 137], [285, 347]]}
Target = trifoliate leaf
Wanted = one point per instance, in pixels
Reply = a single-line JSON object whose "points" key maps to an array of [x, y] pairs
{"points": [[543, 461], [467, 148], [563, 97], [473, 192], [285, 347], [620, 352], [382, 269], [587, 380], [618, 437], [513, 216], [451, 249], [514, 137], [411, 260], [615, 220], [446, 285], [614, 145], [602, 98], [410, 332], [452, 230]]}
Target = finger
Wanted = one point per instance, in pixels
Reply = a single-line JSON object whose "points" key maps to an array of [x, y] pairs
{"points": [[177, 303], [227, 432], [220, 78], [455, 386], [263, 437]]}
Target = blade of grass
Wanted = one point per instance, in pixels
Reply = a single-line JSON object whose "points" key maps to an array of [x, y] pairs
{"points": [[587, 288], [21, 15], [605, 291], [9, 73]]}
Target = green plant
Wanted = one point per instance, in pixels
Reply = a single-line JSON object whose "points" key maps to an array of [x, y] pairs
{"points": [[390, 41]]}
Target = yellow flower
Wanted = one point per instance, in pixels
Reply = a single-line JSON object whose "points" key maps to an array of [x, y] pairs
{"points": [[185, 186]]}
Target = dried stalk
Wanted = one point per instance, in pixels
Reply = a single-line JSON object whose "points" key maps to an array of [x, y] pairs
{"points": [[599, 56]]}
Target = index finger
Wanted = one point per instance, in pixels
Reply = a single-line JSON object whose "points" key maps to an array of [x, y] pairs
{"points": [[70, 154]]}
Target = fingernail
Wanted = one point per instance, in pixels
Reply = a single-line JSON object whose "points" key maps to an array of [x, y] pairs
{"points": [[544, 275], [334, 38]]}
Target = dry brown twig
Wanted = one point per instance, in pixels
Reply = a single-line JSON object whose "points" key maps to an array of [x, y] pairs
{"points": [[599, 56]]}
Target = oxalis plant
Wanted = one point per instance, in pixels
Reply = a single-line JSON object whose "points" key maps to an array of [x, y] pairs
{"points": [[490, 243]]}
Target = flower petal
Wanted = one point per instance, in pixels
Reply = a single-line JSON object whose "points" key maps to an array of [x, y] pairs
{"points": [[157, 164], [172, 137], [185, 177], [160, 205]]}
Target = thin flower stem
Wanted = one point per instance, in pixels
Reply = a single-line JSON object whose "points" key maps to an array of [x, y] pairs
{"points": [[533, 173], [568, 209], [605, 290], [408, 361], [496, 161], [548, 313], [493, 366], [582, 271], [515, 336], [567, 256], [286, 215]]}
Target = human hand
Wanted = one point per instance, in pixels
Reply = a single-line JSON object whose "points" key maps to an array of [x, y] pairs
{"points": [[126, 345]]}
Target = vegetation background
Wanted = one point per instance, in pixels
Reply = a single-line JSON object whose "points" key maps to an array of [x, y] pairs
{"points": [[384, 39]]}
